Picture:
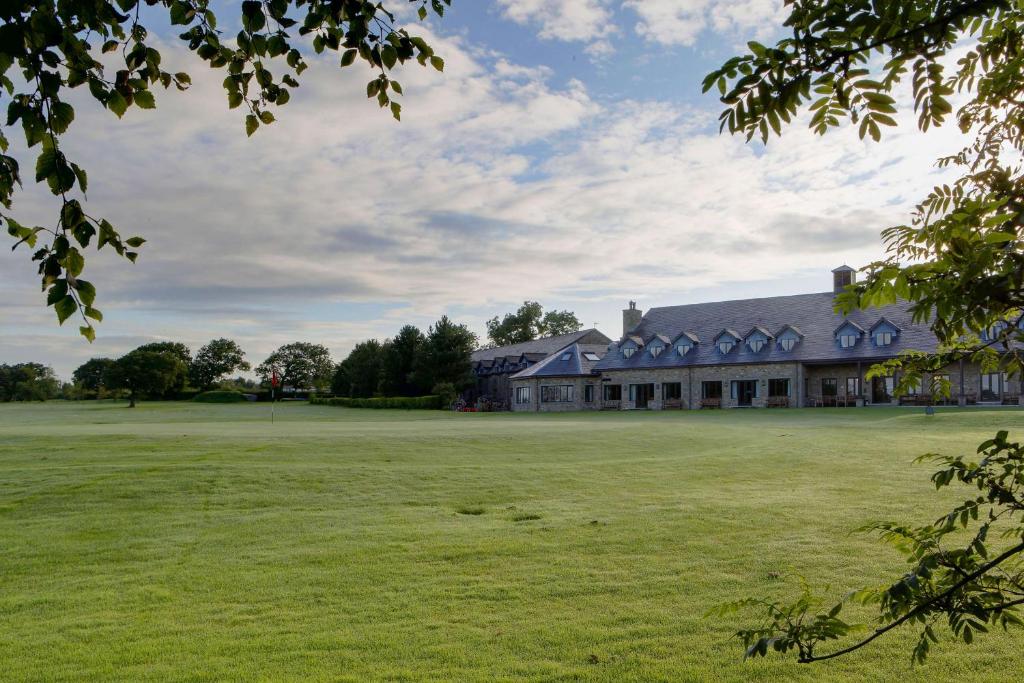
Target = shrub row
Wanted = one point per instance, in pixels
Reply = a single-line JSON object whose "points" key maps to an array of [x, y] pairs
{"points": [[220, 397], [416, 403]]}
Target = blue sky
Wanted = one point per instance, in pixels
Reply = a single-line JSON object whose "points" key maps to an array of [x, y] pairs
{"points": [[565, 155]]}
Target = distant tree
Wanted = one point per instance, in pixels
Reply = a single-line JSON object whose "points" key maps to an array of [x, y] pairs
{"points": [[91, 374], [149, 374], [559, 322], [49, 48], [28, 382], [398, 363], [362, 369], [213, 361], [529, 322], [299, 365], [177, 349], [446, 356]]}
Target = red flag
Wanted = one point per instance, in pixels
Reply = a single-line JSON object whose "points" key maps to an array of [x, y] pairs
{"points": [[274, 382]]}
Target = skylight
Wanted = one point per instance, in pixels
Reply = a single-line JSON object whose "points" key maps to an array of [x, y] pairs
{"points": [[590, 355], [566, 356]]}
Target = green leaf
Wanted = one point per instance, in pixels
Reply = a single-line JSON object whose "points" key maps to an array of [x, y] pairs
{"points": [[74, 262], [93, 313], [396, 86], [135, 242], [437, 63], [65, 308], [251, 124], [348, 57], [88, 332], [46, 164], [86, 292], [117, 103], [57, 292], [144, 99], [61, 116], [389, 56], [266, 117]]}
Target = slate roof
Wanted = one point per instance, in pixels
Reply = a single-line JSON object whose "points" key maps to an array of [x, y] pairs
{"points": [[544, 345], [811, 314], [575, 365]]}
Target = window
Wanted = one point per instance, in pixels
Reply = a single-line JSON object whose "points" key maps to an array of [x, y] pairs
{"points": [[847, 340], [883, 338], [671, 391], [613, 392], [711, 390], [628, 351], [656, 350], [588, 393], [788, 343], [567, 356], [557, 394], [829, 387], [756, 344], [778, 388], [992, 386], [743, 390], [590, 355], [725, 347], [853, 386], [522, 395], [683, 349], [915, 388]]}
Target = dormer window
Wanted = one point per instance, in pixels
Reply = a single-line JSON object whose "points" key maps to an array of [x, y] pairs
{"points": [[847, 340], [726, 341], [883, 332], [756, 344], [787, 344], [883, 338], [628, 351], [848, 334], [656, 350], [683, 349], [725, 346]]}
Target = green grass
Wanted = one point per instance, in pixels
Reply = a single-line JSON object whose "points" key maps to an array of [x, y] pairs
{"points": [[200, 542]]}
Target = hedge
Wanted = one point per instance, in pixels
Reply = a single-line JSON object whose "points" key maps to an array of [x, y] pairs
{"points": [[416, 403], [219, 397]]}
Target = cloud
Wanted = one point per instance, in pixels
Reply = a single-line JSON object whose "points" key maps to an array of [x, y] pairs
{"points": [[680, 22], [500, 184], [587, 21]]}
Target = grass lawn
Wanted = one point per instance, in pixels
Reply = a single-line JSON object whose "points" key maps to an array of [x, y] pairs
{"points": [[200, 542]]}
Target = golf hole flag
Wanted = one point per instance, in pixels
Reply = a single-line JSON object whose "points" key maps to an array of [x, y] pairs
{"points": [[274, 381]]}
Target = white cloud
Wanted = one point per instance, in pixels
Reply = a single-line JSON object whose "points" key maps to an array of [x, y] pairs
{"points": [[337, 223], [680, 22], [587, 21]]}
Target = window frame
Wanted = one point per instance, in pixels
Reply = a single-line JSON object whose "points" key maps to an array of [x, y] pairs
{"points": [[588, 393], [835, 387], [706, 384], [628, 351], [856, 382], [731, 344], [788, 343], [522, 395], [665, 391], [773, 383], [610, 389], [565, 393], [845, 336]]}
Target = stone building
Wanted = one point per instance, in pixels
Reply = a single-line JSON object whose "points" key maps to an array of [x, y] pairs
{"points": [[494, 367], [780, 351]]}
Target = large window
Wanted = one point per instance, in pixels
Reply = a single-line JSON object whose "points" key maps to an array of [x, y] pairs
{"points": [[853, 386], [613, 392], [882, 389], [562, 393], [778, 388], [992, 386], [671, 391], [588, 393], [711, 390], [522, 394], [847, 341], [829, 387]]}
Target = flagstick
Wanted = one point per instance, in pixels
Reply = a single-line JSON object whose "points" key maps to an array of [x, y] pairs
{"points": [[271, 404]]}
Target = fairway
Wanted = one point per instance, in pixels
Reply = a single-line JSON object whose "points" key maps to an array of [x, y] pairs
{"points": [[199, 542]]}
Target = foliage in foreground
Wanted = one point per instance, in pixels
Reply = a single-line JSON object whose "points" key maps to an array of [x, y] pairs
{"points": [[959, 266], [403, 402], [48, 48], [966, 569]]}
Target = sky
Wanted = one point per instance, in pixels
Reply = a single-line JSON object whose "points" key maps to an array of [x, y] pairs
{"points": [[565, 155]]}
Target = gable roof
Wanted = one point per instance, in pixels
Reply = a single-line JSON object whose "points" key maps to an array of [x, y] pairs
{"points": [[691, 337], [847, 323], [544, 345], [884, 321], [758, 328], [812, 314], [576, 365]]}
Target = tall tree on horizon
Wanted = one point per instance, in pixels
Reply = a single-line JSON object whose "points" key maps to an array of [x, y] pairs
{"points": [[529, 322]]}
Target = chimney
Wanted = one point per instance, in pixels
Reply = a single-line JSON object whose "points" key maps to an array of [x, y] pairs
{"points": [[631, 318], [843, 277]]}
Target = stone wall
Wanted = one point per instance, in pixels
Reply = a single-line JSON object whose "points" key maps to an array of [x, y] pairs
{"points": [[579, 394], [692, 380]]}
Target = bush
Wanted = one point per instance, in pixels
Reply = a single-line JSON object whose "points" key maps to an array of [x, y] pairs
{"points": [[219, 397], [445, 391], [401, 402]]}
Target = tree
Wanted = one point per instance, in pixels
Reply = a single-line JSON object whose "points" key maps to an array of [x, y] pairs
{"points": [[48, 48], [215, 360], [361, 370], [959, 265], [179, 351], [91, 374], [398, 363], [529, 322], [146, 373], [446, 355], [28, 382], [299, 365]]}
